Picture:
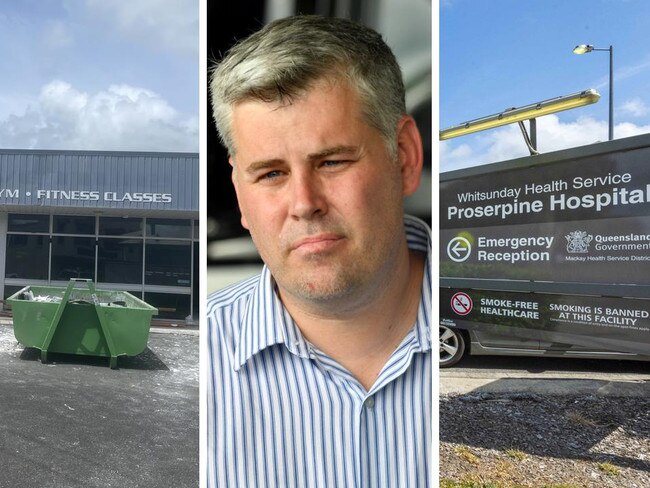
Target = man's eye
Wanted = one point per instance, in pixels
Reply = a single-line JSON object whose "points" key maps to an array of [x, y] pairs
{"points": [[331, 163], [271, 175]]}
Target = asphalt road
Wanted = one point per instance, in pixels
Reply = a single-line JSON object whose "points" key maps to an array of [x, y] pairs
{"points": [[76, 423], [504, 374]]}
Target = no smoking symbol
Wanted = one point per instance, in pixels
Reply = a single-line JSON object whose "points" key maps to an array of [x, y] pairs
{"points": [[461, 303]]}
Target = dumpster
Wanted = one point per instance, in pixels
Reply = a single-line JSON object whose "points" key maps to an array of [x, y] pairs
{"points": [[81, 320]]}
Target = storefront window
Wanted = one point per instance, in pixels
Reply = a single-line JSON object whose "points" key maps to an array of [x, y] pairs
{"points": [[66, 224], [119, 260], [118, 226], [27, 256], [29, 223], [195, 281], [169, 305], [73, 257], [10, 290], [67, 247], [168, 262], [169, 228]]}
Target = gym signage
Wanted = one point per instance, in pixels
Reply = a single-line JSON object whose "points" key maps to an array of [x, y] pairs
{"points": [[89, 195]]}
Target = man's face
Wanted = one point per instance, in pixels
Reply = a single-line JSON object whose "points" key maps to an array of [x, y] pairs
{"points": [[319, 193]]}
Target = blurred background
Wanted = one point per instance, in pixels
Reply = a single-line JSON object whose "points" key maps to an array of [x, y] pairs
{"points": [[405, 26]]}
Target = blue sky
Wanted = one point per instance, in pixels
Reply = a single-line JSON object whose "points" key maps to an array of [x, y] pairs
{"points": [[498, 54], [99, 74]]}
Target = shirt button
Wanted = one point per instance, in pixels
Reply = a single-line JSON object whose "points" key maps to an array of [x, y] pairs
{"points": [[370, 402]]}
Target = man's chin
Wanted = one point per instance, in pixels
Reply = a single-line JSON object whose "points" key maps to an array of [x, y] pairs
{"points": [[322, 289]]}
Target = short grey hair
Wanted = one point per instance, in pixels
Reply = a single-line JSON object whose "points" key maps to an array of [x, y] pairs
{"points": [[288, 56]]}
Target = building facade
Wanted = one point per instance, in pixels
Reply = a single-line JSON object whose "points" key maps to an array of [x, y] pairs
{"points": [[126, 220]]}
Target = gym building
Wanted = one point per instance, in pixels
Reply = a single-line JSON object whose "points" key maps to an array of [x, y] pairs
{"points": [[126, 220]]}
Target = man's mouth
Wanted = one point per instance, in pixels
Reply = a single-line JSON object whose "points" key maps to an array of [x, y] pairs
{"points": [[317, 243]]}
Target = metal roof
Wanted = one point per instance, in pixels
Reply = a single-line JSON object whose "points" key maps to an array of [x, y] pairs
{"points": [[104, 182]]}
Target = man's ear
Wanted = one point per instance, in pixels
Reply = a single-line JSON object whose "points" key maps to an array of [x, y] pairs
{"points": [[233, 177], [409, 153]]}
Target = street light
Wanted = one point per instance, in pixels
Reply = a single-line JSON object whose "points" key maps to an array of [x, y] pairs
{"points": [[587, 48]]}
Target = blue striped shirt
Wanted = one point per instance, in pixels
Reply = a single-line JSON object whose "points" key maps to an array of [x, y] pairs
{"points": [[283, 414]]}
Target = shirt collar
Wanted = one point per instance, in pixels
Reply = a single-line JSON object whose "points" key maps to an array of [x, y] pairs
{"points": [[266, 322], [418, 236]]}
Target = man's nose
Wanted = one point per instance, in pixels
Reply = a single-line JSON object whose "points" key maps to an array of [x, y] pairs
{"points": [[307, 196]]}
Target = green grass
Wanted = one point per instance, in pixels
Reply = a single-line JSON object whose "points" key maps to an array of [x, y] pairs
{"points": [[466, 484], [467, 454], [561, 485], [447, 483], [515, 454], [609, 468], [581, 419]]}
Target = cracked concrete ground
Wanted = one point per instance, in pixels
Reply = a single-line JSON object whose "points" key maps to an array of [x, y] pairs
{"points": [[76, 423]]}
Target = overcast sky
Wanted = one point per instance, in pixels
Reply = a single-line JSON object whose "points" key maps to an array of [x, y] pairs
{"points": [[99, 75], [509, 53]]}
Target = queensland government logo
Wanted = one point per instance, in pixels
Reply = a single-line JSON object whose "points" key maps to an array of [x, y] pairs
{"points": [[578, 241]]}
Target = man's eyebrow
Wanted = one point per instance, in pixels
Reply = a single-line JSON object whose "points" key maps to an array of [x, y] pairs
{"points": [[256, 166], [333, 151]]}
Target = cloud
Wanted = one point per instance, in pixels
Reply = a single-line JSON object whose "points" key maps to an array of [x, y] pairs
{"points": [[624, 73], [57, 35], [171, 24], [120, 118], [632, 70], [507, 142], [635, 107]]}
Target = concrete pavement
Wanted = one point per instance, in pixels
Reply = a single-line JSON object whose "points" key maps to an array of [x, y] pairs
{"points": [[547, 377], [76, 423]]}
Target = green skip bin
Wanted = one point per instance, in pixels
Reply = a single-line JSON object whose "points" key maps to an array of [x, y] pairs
{"points": [[82, 321]]}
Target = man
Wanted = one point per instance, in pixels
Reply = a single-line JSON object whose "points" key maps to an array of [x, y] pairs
{"points": [[320, 368]]}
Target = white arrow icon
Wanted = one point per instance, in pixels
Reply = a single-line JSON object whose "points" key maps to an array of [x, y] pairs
{"points": [[459, 249]]}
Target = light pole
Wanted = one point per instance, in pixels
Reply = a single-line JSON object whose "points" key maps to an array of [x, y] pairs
{"points": [[587, 48]]}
